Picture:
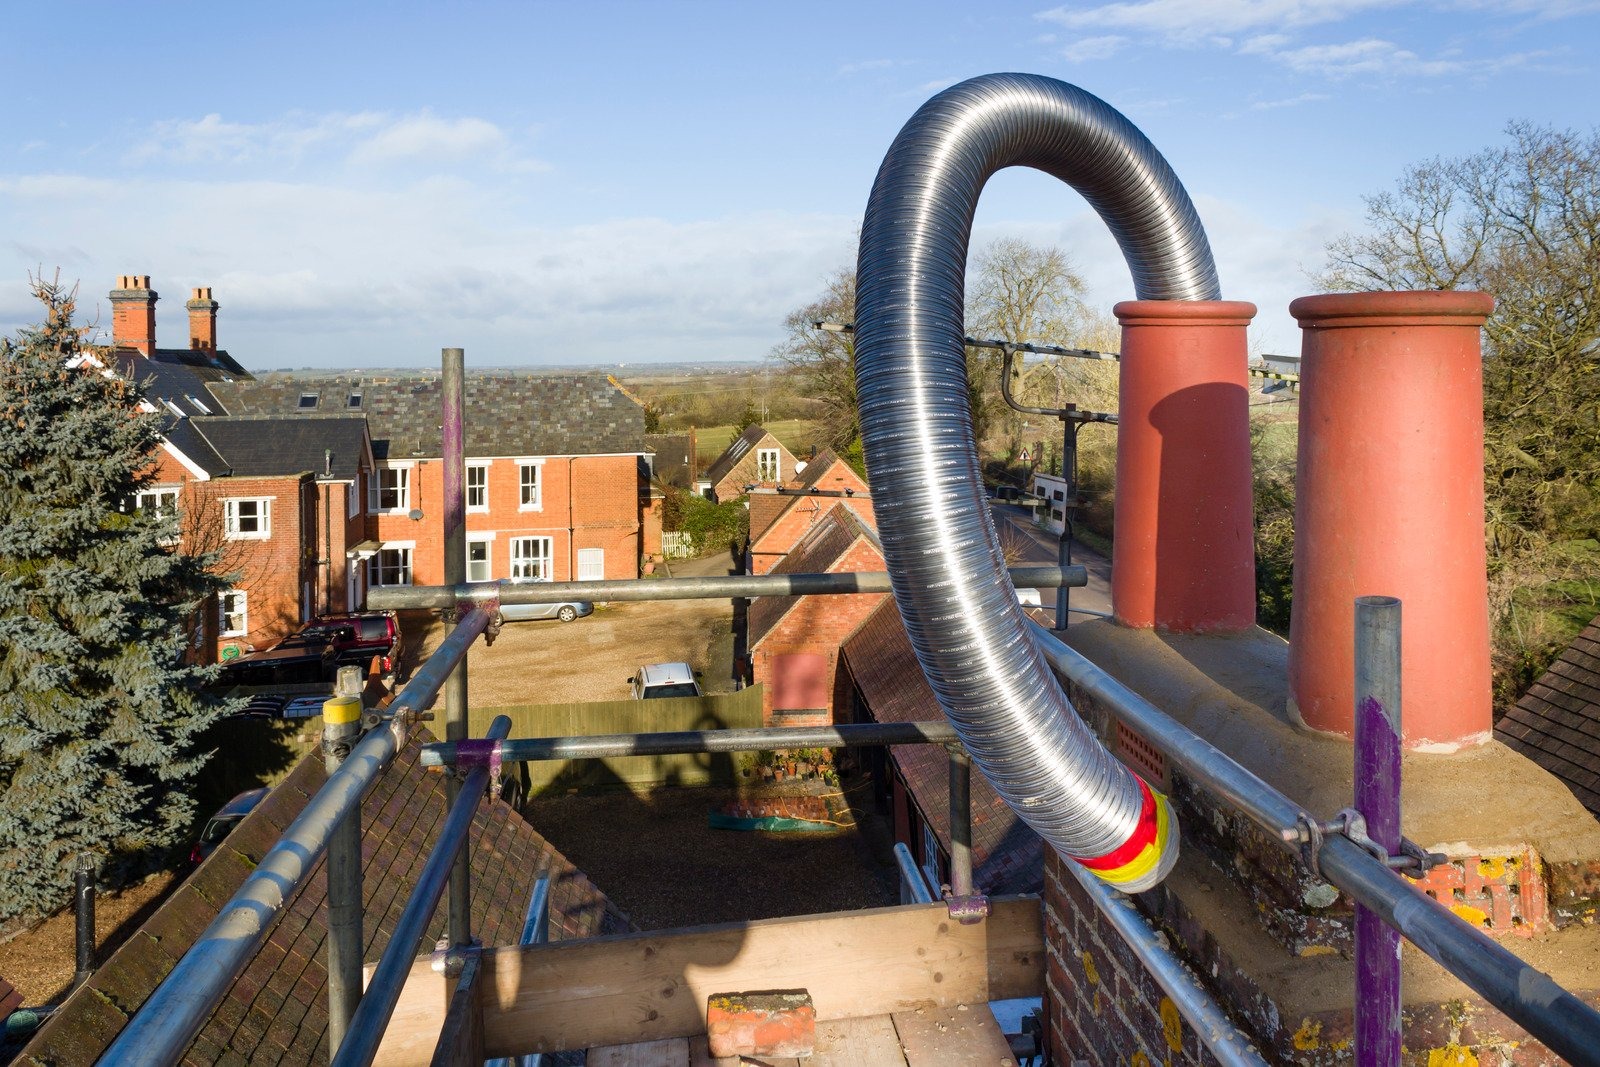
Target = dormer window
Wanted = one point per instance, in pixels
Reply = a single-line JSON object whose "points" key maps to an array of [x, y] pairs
{"points": [[308, 400], [354, 401]]}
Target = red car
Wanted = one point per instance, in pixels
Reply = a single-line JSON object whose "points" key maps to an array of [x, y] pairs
{"points": [[357, 637]]}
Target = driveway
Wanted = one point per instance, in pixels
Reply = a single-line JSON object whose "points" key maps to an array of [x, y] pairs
{"points": [[1040, 546], [550, 662]]}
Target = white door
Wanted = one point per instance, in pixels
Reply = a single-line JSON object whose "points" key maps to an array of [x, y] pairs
{"points": [[591, 564]]}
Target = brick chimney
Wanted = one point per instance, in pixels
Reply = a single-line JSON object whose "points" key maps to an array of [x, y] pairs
{"points": [[202, 320], [133, 313]]}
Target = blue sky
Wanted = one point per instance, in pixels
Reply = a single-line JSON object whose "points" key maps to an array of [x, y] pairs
{"points": [[363, 184]]}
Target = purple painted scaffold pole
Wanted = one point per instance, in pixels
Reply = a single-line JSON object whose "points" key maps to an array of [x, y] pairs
{"points": [[1377, 693]]}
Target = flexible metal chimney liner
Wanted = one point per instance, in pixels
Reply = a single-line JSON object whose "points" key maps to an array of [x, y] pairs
{"points": [[949, 577]]}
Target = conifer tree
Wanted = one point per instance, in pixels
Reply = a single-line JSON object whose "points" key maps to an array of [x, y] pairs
{"points": [[99, 715]]}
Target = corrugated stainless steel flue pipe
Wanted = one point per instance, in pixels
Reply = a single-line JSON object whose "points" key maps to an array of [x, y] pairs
{"points": [[938, 537]]}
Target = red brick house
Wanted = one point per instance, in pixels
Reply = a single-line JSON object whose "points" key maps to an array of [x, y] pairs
{"points": [[555, 472], [316, 489], [754, 458], [794, 641], [780, 518]]}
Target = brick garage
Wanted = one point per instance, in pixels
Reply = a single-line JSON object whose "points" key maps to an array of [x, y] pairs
{"points": [[795, 641], [779, 520]]}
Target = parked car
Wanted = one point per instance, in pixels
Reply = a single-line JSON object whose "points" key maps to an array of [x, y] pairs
{"points": [[565, 610], [315, 653], [655, 680], [358, 636], [222, 823]]}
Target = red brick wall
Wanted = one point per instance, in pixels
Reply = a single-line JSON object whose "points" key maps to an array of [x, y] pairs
{"points": [[271, 571], [585, 502], [775, 538], [817, 625], [791, 527]]}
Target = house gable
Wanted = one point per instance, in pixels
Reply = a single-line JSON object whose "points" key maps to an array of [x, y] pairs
{"points": [[740, 464], [786, 517]]}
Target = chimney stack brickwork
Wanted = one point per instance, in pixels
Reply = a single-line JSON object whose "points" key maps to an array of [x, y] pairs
{"points": [[133, 313], [202, 320]]}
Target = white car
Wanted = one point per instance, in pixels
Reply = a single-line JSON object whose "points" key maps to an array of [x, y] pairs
{"points": [[655, 680]]}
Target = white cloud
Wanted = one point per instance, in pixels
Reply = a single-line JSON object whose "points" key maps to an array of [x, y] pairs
{"points": [[426, 136], [1293, 101], [1373, 57], [361, 139], [356, 274], [1088, 49], [1197, 21], [865, 65]]}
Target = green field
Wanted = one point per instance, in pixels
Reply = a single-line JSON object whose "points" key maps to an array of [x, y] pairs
{"points": [[797, 435]]}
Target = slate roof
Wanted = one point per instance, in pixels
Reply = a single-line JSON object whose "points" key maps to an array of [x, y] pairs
{"points": [[506, 414], [187, 438], [1007, 856], [179, 377], [819, 550], [265, 445], [1557, 722], [276, 1012], [736, 450], [674, 457]]}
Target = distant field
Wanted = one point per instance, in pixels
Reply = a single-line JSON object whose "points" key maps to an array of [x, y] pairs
{"points": [[797, 435]]}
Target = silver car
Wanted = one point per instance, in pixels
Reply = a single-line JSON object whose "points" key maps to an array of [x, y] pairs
{"points": [[565, 610]]}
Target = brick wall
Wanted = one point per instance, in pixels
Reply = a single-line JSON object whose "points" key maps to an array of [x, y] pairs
{"points": [[270, 571], [818, 625], [584, 502], [781, 535], [1273, 944]]}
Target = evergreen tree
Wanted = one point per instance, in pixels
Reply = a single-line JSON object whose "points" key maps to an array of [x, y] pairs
{"points": [[99, 715]]}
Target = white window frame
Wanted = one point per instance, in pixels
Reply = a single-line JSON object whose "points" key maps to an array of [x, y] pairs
{"points": [[375, 567], [526, 560], [486, 540], [524, 465], [241, 601], [353, 498], [402, 487], [769, 465], [231, 525], [591, 564], [151, 498], [481, 468]]}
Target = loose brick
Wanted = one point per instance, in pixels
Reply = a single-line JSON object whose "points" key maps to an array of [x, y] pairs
{"points": [[768, 1023]]}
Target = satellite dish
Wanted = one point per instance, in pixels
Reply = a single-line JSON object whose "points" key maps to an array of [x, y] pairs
{"points": [[415, 514]]}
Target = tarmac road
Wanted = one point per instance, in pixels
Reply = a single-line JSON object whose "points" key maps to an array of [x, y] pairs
{"points": [[1040, 546]]}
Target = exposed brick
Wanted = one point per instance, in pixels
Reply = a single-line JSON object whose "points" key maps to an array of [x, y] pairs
{"points": [[773, 1023]]}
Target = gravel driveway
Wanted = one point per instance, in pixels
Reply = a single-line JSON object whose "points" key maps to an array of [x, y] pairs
{"points": [[550, 662]]}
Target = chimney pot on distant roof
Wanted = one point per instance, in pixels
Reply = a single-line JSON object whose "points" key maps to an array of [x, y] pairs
{"points": [[133, 313], [202, 320]]}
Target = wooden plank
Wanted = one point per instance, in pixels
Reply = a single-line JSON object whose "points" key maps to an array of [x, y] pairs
{"points": [[700, 1056], [425, 996], [461, 1039], [673, 1052], [609, 991], [645, 987], [935, 1036], [867, 1042]]}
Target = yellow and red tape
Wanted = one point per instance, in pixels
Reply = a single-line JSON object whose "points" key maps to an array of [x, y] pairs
{"points": [[1140, 862]]}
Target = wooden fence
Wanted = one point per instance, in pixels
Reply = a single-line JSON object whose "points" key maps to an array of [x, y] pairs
{"points": [[723, 711]]}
